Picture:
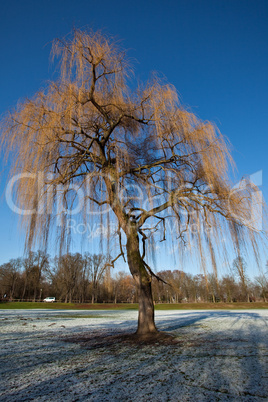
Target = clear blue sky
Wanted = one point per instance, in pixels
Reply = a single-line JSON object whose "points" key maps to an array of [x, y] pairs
{"points": [[215, 52]]}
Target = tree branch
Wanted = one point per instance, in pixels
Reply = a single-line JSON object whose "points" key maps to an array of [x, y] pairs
{"points": [[156, 276]]}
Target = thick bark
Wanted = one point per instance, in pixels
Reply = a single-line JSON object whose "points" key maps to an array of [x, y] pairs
{"points": [[146, 324], [141, 276]]}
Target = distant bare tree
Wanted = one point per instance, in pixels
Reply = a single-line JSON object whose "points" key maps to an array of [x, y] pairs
{"points": [[10, 275], [262, 282], [34, 266], [84, 279], [229, 288], [40, 264], [138, 152], [98, 264], [68, 271], [239, 266], [28, 265], [124, 288], [213, 286]]}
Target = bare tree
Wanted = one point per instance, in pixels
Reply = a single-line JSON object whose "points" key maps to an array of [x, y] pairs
{"points": [[124, 288], [213, 286], [262, 283], [98, 265], [34, 266], [28, 264], [10, 275], [84, 280], [239, 266], [229, 288], [40, 264], [137, 152], [68, 272]]}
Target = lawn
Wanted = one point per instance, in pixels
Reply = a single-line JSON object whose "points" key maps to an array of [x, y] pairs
{"points": [[133, 306], [48, 355]]}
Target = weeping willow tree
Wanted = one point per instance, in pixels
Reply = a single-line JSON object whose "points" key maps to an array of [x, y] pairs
{"points": [[135, 155]]}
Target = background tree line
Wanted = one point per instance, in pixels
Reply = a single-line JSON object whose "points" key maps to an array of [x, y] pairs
{"points": [[88, 278]]}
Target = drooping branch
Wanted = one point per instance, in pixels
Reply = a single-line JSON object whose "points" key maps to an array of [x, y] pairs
{"points": [[120, 243], [154, 275]]}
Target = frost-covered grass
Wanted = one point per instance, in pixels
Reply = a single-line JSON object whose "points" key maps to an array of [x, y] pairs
{"points": [[53, 355]]}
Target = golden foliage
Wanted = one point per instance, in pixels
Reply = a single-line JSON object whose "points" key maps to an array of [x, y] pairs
{"points": [[89, 129]]}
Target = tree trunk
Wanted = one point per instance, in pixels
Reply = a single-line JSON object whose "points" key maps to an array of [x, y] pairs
{"points": [[143, 280]]}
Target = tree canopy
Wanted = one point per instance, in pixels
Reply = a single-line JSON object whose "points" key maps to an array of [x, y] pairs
{"points": [[94, 145]]}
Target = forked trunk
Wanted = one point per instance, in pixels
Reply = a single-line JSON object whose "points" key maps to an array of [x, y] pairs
{"points": [[146, 324]]}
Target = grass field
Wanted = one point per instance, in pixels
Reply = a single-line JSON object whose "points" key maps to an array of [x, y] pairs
{"points": [[134, 306], [66, 356]]}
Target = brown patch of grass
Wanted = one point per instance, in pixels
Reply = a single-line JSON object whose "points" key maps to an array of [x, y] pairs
{"points": [[95, 341]]}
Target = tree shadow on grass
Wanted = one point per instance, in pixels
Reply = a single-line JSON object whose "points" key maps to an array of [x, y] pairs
{"points": [[204, 362]]}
